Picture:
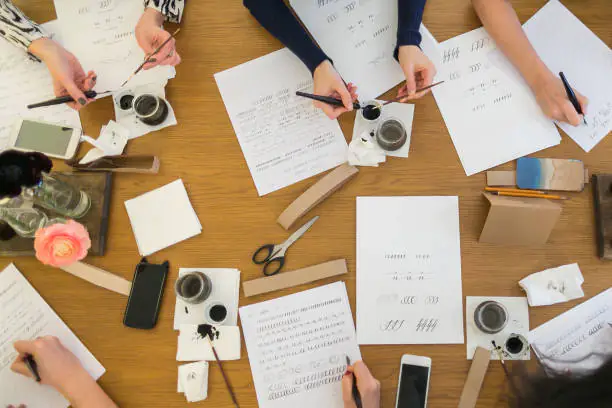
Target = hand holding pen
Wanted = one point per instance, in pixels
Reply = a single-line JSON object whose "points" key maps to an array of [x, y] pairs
{"points": [[553, 99], [358, 380]]}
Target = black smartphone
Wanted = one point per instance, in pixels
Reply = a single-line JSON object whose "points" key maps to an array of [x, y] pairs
{"points": [[146, 294]]}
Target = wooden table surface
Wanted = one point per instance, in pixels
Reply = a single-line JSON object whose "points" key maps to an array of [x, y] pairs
{"points": [[204, 152]]}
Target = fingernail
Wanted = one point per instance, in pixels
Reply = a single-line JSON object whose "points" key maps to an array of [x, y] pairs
{"points": [[152, 59], [94, 78], [82, 101]]}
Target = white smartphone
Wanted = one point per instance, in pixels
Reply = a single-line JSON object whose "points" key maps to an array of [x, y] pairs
{"points": [[48, 138], [413, 382]]}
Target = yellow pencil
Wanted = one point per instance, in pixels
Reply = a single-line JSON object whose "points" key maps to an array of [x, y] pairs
{"points": [[530, 195], [513, 190]]}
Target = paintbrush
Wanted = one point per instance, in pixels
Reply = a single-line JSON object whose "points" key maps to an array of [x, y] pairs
{"points": [[227, 383], [65, 99], [399, 98], [148, 57]]}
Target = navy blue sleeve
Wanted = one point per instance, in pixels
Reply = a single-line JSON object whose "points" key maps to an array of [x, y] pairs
{"points": [[277, 18], [409, 17]]}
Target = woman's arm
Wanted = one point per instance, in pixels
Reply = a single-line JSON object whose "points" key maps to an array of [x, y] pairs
{"points": [[171, 9], [16, 27], [501, 22]]}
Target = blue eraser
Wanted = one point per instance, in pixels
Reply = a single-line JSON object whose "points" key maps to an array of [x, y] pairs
{"points": [[529, 173]]}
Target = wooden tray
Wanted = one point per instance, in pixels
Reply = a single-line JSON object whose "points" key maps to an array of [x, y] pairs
{"points": [[98, 187]]}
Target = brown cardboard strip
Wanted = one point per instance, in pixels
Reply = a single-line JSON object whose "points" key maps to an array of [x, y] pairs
{"points": [[285, 280], [99, 277], [501, 178], [312, 197], [475, 378]]}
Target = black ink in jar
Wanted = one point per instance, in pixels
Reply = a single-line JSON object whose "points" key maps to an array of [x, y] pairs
{"points": [[371, 112], [150, 109], [391, 134], [125, 102]]}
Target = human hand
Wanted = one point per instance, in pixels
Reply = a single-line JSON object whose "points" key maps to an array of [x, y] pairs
{"points": [[368, 386], [66, 71], [552, 98], [150, 35], [418, 70], [327, 82], [56, 366]]}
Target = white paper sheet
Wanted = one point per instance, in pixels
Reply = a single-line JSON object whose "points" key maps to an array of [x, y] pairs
{"points": [[23, 82], [162, 217], [284, 139], [490, 112], [193, 381], [102, 36], [24, 315], [194, 346], [518, 323], [367, 29], [579, 340], [225, 289], [297, 347], [408, 270], [585, 60]]}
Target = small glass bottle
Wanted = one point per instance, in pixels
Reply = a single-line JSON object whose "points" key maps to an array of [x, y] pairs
{"points": [[23, 220], [58, 196]]}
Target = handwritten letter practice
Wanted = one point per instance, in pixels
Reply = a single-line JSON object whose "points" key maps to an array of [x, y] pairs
{"points": [[408, 270], [24, 315], [283, 137], [579, 340], [491, 114], [298, 345], [359, 36]]}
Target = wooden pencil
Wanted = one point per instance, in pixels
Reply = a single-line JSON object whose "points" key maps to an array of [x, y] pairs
{"points": [[513, 190], [530, 195]]}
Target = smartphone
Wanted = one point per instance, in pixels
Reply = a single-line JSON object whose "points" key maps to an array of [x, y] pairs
{"points": [[48, 138], [146, 295], [413, 382]]}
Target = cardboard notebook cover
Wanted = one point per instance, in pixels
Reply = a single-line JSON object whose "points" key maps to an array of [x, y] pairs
{"points": [[519, 220]]}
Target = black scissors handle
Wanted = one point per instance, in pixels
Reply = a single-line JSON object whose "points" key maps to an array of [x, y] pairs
{"points": [[257, 259], [279, 262]]}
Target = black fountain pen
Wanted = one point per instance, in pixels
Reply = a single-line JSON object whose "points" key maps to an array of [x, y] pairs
{"points": [[572, 96], [64, 99]]}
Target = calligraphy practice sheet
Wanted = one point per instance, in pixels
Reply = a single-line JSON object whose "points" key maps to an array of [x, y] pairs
{"points": [[490, 112], [584, 59], [283, 137], [298, 345], [368, 30], [408, 271], [24, 81], [101, 34], [24, 315], [579, 340]]}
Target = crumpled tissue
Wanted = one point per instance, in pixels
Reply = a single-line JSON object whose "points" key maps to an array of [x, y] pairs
{"points": [[555, 285]]}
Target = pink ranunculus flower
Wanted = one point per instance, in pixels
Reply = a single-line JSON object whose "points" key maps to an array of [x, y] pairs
{"points": [[62, 244]]}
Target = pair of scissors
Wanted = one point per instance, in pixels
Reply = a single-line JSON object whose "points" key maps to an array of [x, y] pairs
{"points": [[276, 253]]}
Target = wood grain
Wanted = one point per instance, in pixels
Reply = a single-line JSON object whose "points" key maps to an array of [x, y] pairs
{"points": [[204, 152]]}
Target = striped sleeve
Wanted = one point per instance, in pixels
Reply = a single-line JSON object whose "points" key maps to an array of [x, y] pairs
{"points": [[172, 9], [16, 27]]}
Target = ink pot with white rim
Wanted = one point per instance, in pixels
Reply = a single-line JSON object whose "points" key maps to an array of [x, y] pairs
{"points": [[491, 317], [371, 112], [391, 134], [193, 287], [216, 312], [151, 109]]}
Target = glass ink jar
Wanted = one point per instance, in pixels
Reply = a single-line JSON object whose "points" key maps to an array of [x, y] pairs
{"points": [[391, 134], [59, 196], [150, 109]]}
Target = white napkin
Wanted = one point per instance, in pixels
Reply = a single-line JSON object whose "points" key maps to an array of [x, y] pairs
{"points": [[555, 285], [363, 151], [193, 381], [192, 346], [162, 217], [111, 142]]}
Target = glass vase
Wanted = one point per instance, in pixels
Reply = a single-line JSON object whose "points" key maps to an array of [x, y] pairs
{"points": [[23, 220], [60, 197]]}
